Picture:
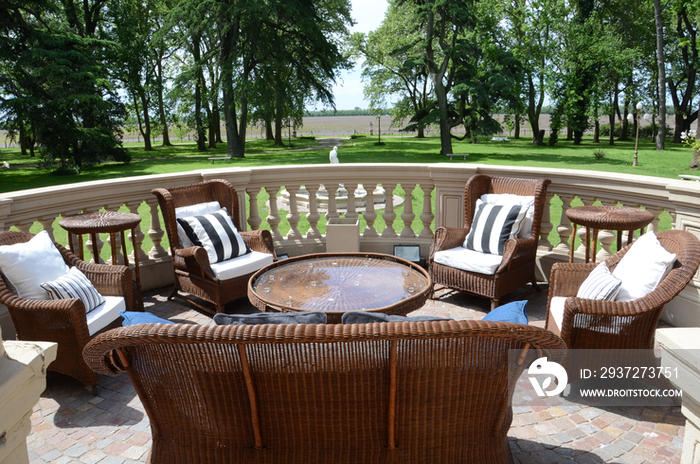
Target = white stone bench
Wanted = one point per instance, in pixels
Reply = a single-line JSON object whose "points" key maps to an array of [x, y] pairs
{"points": [[458, 154], [225, 158], [500, 139], [689, 177]]}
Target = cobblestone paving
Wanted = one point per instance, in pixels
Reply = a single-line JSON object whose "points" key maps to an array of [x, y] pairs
{"points": [[71, 426]]}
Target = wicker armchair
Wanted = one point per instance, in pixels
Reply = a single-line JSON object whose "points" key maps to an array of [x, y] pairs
{"points": [[598, 324], [518, 265], [64, 321], [193, 273], [399, 392]]}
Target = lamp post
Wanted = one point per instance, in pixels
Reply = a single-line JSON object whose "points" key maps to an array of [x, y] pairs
{"points": [[632, 118], [379, 121]]}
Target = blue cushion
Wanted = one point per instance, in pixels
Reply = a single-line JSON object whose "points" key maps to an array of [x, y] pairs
{"points": [[363, 317], [138, 317], [271, 318], [511, 312]]}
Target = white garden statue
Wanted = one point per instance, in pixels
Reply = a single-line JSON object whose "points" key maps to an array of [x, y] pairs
{"points": [[334, 156]]}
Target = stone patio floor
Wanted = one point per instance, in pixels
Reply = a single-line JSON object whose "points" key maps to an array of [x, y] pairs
{"points": [[70, 425]]}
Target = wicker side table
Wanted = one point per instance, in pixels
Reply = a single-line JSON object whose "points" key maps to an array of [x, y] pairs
{"points": [[111, 222], [596, 218]]}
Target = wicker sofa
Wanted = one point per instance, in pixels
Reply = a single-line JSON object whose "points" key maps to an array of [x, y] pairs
{"points": [[400, 392]]}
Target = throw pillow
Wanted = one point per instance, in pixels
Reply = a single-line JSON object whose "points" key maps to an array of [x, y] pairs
{"points": [[216, 233], [271, 318], [644, 265], [493, 225], [600, 284], [141, 317], [193, 210], [74, 285], [363, 317], [510, 312], [26, 265], [511, 199]]}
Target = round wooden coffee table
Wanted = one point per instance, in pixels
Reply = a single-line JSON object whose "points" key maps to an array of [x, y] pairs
{"points": [[339, 282], [595, 218]]}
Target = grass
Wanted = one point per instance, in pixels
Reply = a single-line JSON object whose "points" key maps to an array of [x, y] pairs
{"points": [[24, 173]]}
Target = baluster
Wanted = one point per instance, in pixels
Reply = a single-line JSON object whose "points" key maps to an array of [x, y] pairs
{"points": [[254, 220], [656, 211], [77, 245], [293, 217], [273, 218], [351, 213], [427, 216], [332, 212], [606, 238], [546, 225], [370, 215], [95, 248], [565, 228], [313, 215], [389, 215], [24, 226], [407, 216], [155, 232], [143, 257], [47, 224]]}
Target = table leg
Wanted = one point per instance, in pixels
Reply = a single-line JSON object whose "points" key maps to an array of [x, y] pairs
{"points": [[573, 240], [113, 240], [80, 247], [137, 268], [126, 255], [95, 251], [70, 242], [595, 244], [588, 243], [619, 240]]}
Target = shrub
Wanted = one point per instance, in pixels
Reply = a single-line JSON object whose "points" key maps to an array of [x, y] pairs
{"points": [[599, 154]]}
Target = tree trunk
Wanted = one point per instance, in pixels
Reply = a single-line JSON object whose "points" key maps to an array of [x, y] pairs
{"points": [[146, 130], [569, 133], [421, 133], [201, 134], [161, 106], [212, 129], [596, 131], [22, 137], [661, 134], [217, 123], [516, 129]]}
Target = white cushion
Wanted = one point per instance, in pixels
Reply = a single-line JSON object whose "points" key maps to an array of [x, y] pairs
{"points": [[74, 285], [511, 199], [193, 210], [246, 264], [600, 284], [26, 265], [493, 225], [469, 260], [556, 309], [644, 265], [105, 314], [216, 233]]}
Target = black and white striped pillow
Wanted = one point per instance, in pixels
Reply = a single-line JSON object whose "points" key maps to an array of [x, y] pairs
{"points": [[493, 225], [600, 284], [216, 233], [74, 285]]}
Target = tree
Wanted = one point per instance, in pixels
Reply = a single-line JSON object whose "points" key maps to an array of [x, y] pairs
{"points": [[659, 21]]}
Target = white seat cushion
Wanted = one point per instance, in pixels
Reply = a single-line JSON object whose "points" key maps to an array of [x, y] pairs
{"points": [[105, 314], [246, 264], [469, 260], [556, 309]]}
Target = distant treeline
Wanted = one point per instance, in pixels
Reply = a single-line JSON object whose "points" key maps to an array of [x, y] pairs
{"points": [[368, 112]]}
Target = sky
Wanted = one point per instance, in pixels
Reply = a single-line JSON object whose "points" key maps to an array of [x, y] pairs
{"points": [[368, 14]]}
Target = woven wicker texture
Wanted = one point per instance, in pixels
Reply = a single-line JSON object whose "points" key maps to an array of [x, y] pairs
{"points": [[610, 217], [407, 392], [64, 321], [518, 265], [597, 324], [340, 282], [193, 273], [100, 221]]}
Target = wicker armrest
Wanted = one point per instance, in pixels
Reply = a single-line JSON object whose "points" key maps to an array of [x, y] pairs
{"points": [[566, 278], [195, 261], [260, 240], [109, 279], [517, 251], [448, 237]]}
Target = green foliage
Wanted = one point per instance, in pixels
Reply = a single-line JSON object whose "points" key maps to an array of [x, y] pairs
{"points": [[599, 154]]}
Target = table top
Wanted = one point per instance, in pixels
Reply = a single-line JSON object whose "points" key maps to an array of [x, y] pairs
{"points": [[610, 217], [100, 221], [339, 282]]}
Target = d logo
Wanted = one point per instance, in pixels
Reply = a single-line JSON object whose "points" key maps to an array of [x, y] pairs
{"points": [[543, 367]]}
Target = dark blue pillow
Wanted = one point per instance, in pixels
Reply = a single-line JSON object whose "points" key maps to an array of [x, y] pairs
{"points": [[511, 312], [138, 317], [271, 318], [363, 317]]}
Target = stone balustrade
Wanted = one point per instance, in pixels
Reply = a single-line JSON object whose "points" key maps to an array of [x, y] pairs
{"points": [[438, 191]]}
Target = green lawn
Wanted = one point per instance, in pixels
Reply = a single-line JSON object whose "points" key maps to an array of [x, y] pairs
{"points": [[25, 174]]}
